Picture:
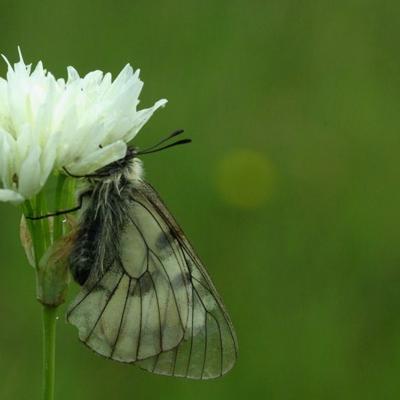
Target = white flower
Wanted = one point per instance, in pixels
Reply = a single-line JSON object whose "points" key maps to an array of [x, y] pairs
{"points": [[46, 124]]}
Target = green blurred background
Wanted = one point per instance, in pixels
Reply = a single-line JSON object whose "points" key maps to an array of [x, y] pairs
{"points": [[290, 190]]}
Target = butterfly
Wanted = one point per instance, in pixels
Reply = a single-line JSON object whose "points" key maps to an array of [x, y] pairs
{"points": [[145, 296]]}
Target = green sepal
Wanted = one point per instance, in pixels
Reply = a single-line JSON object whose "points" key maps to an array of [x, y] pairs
{"points": [[53, 277]]}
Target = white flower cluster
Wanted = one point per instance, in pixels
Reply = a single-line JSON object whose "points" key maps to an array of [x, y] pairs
{"points": [[46, 124]]}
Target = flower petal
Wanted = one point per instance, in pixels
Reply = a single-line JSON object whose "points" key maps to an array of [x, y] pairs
{"points": [[99, 158], [29, 174], [142, 117], [11, 196], [83, 122]]}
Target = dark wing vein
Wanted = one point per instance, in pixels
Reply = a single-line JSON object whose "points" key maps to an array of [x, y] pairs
{"points": [[159, 312], [205, 345], [85, 293], [172, 289], [122, 318], [179, 258], [141, 320], [191, 339], [104, 308]]}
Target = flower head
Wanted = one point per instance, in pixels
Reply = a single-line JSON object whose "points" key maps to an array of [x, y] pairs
{"points": [[46, 123]]}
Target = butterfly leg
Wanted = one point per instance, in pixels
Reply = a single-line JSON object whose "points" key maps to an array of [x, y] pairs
{"points": [[83, 176], [61, 212]]}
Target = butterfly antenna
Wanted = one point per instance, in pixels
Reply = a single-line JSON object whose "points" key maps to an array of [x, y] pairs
{"points": [[170, 136], [183, 141], [155, 148]]}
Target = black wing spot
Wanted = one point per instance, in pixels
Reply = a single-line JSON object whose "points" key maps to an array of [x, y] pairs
{"points": [[162, 241], [181, 280], [146, 283]]}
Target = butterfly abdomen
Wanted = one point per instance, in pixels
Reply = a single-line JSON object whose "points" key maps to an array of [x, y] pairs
{"points": [[97, 243], [83, 255]]}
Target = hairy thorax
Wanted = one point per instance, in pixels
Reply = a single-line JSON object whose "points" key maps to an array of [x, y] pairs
{"points": [[103, 216]]}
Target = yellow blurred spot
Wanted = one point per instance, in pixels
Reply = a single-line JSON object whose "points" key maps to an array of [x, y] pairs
{"points": [[245, 178]]}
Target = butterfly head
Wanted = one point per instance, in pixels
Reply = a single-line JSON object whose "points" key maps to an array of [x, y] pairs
{"points": [[123, 166], [130, 165]]}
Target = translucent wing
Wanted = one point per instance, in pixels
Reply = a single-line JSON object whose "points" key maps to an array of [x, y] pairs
{"points": [[155, 305], [140, 306], [209, 347]]}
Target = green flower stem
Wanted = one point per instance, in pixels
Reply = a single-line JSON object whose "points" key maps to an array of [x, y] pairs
{"points": [[50, 261], [49, 350], [58, 228]]}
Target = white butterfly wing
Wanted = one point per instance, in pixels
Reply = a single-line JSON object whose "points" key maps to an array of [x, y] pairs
{"points": [[156, 305], [209, 348]]}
